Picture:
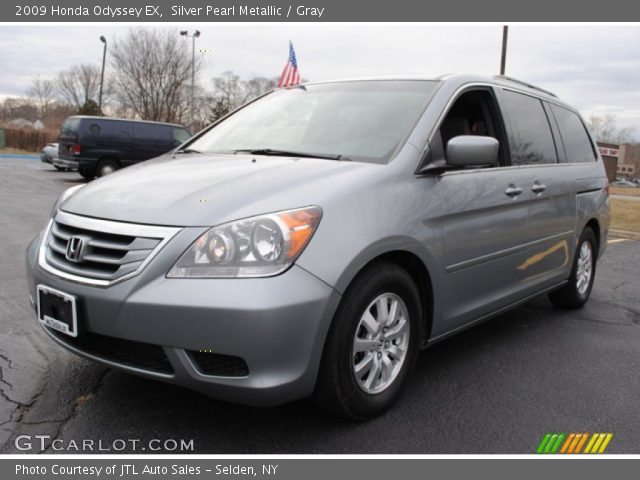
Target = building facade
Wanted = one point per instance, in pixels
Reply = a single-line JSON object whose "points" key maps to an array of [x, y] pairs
{"points": [[629, 161]]}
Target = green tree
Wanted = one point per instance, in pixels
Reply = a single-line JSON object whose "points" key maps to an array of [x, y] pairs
{"points": [[90, 107]]}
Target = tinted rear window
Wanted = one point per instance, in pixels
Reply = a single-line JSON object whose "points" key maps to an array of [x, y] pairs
{"points": [[70, 126], [577, 145], [530, 138]]}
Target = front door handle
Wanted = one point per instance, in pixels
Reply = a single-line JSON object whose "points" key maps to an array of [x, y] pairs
{"points": [[512, 190], [538, 187]]}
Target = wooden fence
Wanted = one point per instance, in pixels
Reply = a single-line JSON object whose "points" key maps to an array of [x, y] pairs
{"points": [[29, 139]]}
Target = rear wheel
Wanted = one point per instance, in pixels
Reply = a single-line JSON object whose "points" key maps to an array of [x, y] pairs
{"points": [[87, 172], [372, 345], [576, 292], [106, 166], [60, 169]]}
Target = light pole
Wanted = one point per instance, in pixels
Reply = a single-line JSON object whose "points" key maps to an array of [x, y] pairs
{"points": [[193, 36], [104, 56], [503, 59]]}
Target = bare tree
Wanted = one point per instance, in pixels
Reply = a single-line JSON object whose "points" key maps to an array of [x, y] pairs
{"points": [[44, 93], [605, 129], [152, 74], [257, 86], [16, 107], [79, 84], [230, 92]]}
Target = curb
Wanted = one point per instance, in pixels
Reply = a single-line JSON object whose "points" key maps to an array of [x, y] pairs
{"points": [[19, 156], [624, 234]]}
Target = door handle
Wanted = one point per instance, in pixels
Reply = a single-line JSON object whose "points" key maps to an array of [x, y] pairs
{"points": [[512, 190], [538, 187]]}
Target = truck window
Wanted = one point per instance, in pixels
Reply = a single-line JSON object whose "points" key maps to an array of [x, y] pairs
{"points": [[528, 130], [576, 141], [180, 135], [151, 132]]}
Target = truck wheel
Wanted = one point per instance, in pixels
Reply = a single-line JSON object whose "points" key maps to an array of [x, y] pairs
{"points": [[576, 293], [106, 166], [372, 345], [86, 172]]}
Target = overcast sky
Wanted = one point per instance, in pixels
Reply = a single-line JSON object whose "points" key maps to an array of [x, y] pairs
{"points": [[596, 68]]}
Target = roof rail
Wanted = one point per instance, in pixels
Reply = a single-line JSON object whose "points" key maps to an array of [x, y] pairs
{"points": [[526, 84]]}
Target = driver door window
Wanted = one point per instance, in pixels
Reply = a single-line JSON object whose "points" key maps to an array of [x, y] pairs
{"points": [[473, 113]]}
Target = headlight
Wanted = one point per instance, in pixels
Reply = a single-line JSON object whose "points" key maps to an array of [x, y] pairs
{"points": [[66, 194], [259, 246]]}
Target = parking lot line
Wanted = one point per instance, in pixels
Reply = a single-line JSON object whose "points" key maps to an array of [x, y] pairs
{"points": [[617, 240]]}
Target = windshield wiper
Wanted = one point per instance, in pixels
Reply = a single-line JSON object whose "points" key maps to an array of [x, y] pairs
{"points": [[288, 153], [187, 150]]}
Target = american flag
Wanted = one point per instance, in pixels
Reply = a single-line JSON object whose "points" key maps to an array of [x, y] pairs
{"points": [[290, 74]]}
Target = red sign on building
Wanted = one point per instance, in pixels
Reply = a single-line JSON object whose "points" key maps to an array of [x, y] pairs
{"points": [[609, 152]]}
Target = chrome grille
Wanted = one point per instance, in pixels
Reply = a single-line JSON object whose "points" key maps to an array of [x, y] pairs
{"points": [[109, 251]]}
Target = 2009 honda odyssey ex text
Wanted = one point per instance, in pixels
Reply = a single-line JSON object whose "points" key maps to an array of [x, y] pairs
{"points": [[313, 241]]}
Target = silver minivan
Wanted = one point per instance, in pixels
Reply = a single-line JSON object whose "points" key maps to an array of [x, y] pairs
{"points": [[312, 242]]}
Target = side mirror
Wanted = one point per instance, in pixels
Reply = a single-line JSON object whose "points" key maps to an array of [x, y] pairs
{"points": [[472, 151]]}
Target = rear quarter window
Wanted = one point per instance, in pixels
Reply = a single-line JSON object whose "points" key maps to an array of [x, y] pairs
{"points": [[575, 139], [528, 129]]}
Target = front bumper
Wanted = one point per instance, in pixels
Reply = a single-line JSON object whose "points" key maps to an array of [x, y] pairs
{"points": [[277, 325]]}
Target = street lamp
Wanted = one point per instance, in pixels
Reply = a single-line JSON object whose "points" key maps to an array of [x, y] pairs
{"points": [[193, 36], [104, 56], [503, 58]]}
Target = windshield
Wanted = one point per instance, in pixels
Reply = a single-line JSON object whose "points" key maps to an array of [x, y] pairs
{"points": [[361, 121]]}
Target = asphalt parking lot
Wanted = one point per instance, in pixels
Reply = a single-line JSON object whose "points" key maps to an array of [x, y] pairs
{"points": [[497, 388]]}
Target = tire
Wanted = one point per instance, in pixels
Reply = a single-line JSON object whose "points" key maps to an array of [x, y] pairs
{"points": [[88, 173], [576, 292], [337, 388], [60, 169], [106, 166]]}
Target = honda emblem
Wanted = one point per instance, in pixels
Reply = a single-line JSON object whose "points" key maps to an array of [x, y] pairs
{"points": [[74, 249]]}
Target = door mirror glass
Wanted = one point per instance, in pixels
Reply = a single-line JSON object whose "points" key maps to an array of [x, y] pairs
{"points": [[472, 151]]}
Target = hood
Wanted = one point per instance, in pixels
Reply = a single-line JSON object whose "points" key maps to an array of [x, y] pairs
{"points": [[205, 190]]}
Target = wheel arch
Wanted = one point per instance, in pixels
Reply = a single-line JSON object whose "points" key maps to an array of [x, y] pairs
{"points": [[109, 157], [595, 227], [414, 265]]}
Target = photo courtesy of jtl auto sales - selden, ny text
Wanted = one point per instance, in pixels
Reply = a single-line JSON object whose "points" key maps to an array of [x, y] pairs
{"points": [[319, 240]]}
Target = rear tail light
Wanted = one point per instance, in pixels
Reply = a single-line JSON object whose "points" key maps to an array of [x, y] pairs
{"points": [[75, 149]]}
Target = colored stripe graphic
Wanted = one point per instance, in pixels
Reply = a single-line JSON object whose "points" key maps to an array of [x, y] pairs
{"points": [[550, 443], [543, 443], [573, 442], [570, 439], [598, 443], [581, 443]]}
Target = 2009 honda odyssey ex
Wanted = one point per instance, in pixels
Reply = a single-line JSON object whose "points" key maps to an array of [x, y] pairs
{"points": [[313, 241]]}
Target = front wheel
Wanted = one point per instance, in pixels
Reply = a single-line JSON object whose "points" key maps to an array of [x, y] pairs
{"points": [[106, 166], [372, 345], [576, 292]]}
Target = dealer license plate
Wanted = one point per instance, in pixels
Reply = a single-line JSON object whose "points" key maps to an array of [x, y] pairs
{"points": [[57, 310]]}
